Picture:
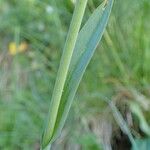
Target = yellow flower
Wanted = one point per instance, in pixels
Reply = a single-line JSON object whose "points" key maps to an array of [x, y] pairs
{"points": [[23, 47], [13, 50]]}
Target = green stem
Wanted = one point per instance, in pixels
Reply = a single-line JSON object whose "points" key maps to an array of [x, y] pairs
{"points": [[63, 69]]}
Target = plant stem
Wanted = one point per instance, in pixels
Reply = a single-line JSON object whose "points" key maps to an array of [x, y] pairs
{"points": [[63, 69]]}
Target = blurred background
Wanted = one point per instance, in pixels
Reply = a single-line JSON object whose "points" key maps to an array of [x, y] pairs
{"points": [[32, 35]]}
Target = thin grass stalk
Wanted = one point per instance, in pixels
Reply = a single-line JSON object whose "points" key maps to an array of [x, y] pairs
{"points": [[119, 119], [63, 69]]}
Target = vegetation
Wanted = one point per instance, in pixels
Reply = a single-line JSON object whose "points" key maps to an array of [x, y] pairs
{"points": [[32, 35]]}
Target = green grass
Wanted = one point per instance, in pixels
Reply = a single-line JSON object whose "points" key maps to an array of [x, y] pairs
{"points": [[77, 53], [119, 67]]}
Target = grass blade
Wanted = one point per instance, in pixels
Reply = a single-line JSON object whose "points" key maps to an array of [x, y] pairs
{"points": [[118, 117], [63, 70], [88, 38]]}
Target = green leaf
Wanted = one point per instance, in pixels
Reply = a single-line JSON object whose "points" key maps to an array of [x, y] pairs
{"points": [[135, 108], [88, 39], [143, 144]]}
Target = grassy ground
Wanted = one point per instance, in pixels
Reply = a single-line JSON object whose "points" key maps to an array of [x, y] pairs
{"points": [[32, 34]]}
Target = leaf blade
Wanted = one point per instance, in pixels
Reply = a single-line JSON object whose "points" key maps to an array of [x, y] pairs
{"points": [[80, 59]]}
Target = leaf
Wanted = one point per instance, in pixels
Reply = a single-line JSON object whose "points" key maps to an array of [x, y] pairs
{"points": [[135, 108], [88, 39], [143, 144], [122, 124], [119, 119]]}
